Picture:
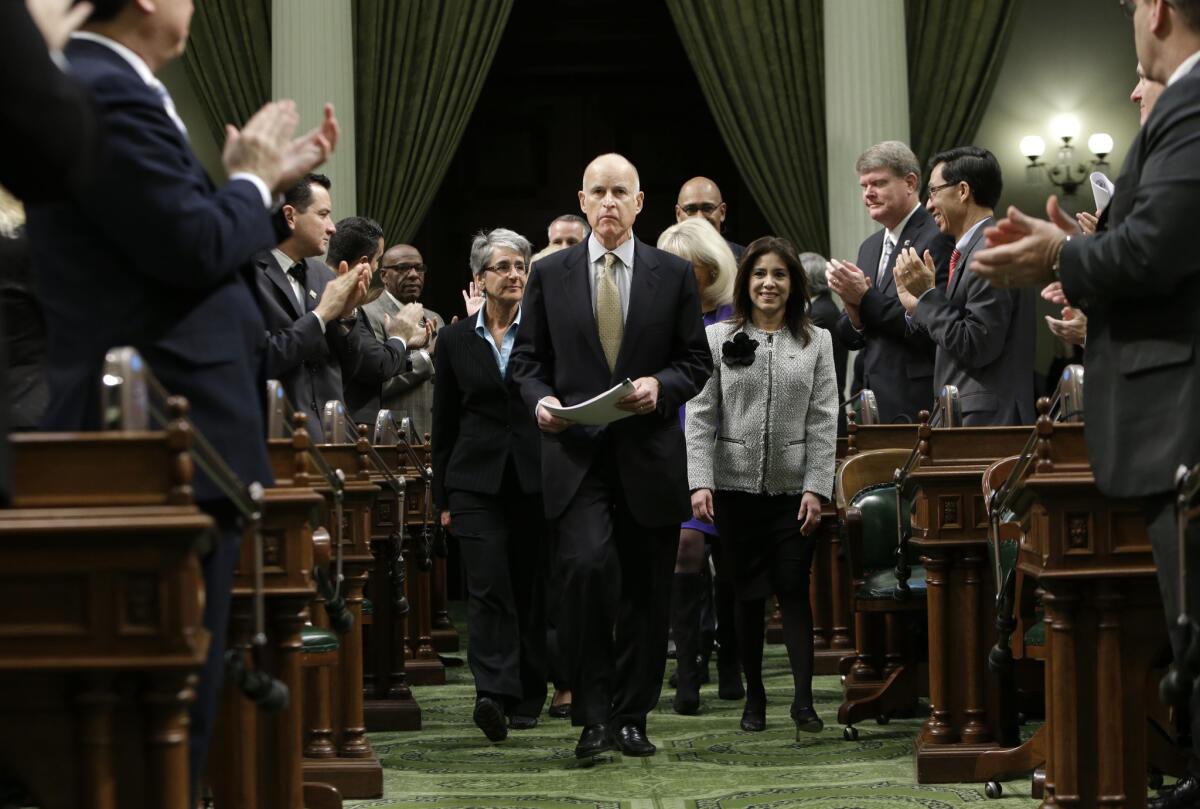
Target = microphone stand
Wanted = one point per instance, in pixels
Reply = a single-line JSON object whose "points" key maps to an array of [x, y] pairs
{"points": [[269, 693]]}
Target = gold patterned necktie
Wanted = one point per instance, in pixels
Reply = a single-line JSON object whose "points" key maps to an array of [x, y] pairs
{"points": [[609, 322]]}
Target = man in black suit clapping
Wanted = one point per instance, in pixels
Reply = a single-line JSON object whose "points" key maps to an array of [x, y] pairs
{"points": [[602, 311], [1138, 280], [897, 359], [147, 252]]}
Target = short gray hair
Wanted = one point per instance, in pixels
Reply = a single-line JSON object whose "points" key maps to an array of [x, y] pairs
{"points": [[487, 241], [892, 155], [574, 220], [814, 268]]}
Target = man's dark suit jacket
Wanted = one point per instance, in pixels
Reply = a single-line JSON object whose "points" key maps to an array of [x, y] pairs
{"points": [[1138, 280], [48, 127], [480, 420], [558, 353], [151, 255], [825, 313], [897, 359], [314, 366], [985, 342]]}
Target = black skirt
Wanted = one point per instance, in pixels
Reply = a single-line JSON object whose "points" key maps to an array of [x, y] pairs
{"points": [[764, 549]]}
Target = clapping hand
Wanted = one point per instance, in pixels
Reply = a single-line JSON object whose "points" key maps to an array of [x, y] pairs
{"points": [[56, 19], [914, 276], [308, 151], [258, 147], [1021, 249], [847, 280]]}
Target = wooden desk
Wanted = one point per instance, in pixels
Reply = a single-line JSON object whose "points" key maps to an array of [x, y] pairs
{"points": [[101, 632], [950, 531], [388, 701], [257, 759], [1105, 626], [355, 772]]}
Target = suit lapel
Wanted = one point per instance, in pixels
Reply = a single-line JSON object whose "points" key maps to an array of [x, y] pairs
{"points": [[314, 282], [279, 278], [965, 259], [482, 349], [577, 288], [641, 295]]}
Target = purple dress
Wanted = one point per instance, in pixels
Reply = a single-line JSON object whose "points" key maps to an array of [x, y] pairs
{"points": [[722, 312]]}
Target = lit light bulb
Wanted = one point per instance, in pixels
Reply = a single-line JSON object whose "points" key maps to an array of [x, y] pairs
{"points": [[1100, 144], [1064, 126], [1033, 147]]}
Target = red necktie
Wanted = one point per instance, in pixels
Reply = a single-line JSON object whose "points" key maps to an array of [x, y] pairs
{"points": [[954, 259]]}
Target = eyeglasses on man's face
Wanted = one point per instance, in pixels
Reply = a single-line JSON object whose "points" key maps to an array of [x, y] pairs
{"points": [[505, 267], [933, 189], [403, 269], [693, 208]]}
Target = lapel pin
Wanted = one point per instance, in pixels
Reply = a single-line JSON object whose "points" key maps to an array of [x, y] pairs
{"points": [[312, 294]]}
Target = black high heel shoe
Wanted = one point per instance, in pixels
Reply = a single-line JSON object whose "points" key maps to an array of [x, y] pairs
{"points": [[806, 720]]}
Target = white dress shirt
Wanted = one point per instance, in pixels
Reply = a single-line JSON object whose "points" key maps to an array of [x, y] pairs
{"points": [[1184, 68], [622, 269]]}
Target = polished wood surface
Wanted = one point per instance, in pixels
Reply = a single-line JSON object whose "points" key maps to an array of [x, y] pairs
{"points": [[102, 617], [950, 531], [1105, 626]]}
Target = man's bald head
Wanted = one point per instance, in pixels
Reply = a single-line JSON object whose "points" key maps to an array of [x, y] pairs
{"points": [[611, 198], [403, 272], [700, 196]]}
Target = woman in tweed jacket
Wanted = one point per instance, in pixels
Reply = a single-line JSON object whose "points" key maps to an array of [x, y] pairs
{"points": [[760, 441]]}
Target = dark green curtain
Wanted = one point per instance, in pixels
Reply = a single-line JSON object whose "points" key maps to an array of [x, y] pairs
{"points": [[228, 60], [955, 49], [419, 67], [761, 66]]}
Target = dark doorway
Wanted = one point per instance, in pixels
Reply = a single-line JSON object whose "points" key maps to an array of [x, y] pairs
{"points": [[571, 80]]}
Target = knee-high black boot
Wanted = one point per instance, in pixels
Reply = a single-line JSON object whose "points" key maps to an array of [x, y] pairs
{"points": [[687, 595]]}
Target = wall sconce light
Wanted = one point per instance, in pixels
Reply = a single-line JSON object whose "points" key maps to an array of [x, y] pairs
{"points": [[1066, 173]]}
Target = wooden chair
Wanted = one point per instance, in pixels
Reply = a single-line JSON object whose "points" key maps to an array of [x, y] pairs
{"points": [[883, 679]]}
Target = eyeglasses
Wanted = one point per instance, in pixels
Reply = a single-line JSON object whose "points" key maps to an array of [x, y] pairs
{"points": [[504, 268], [933, 189], [419, 269], [693, 208]]}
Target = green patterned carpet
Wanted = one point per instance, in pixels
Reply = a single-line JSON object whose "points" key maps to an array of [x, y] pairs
{"points": [[703, 762]]}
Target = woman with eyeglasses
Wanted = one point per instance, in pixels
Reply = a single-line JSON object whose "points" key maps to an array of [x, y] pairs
{"points": [[487, 488], [760, 438]]}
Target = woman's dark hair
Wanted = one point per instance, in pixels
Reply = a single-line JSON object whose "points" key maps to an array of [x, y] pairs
{"points": [[795, 311]]}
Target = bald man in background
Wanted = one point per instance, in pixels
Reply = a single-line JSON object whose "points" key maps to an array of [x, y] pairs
{"points": [[411, 393], [700, 196]]}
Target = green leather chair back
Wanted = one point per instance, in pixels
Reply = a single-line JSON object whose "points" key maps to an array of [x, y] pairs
{"points": [[877, 504]]}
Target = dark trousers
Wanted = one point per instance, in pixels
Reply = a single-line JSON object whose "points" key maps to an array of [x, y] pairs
{"points": [[616, 580], [1162, 526], [502, 538], [218, 569]]}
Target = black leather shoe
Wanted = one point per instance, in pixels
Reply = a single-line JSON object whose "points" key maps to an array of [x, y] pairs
{"points": [[489, 717], [594, 740], [522, 722], [1186, 795], [754, 717], [560, 711], [631, 741]]}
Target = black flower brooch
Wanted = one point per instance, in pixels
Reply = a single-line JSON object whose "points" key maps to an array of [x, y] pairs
{"points": [[739, 350]]}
